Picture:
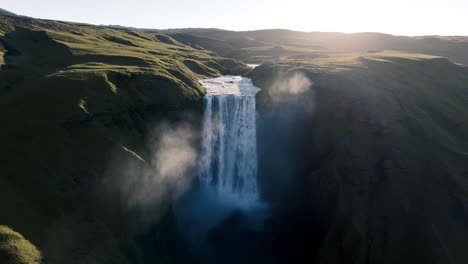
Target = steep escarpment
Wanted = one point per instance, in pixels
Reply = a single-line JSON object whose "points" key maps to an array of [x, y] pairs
{"points": [[72, 97], [375, 158]]}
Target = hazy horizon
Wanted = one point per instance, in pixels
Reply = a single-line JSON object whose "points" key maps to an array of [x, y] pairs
{"points": [[392, 17]]}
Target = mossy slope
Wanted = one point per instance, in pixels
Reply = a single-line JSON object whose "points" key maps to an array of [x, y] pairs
{"points": [[73, 96], [15, 249]]}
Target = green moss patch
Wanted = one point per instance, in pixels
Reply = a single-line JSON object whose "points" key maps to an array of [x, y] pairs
{"points": [[15, 249]]}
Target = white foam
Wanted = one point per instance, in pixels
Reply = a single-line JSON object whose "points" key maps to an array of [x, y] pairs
{"points": [[226, 85]]}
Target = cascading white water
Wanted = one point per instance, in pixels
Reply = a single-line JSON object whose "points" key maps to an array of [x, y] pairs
{"points": [[229, 145]]}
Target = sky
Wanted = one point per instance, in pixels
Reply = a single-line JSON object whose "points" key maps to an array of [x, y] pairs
{"points": [[398, 17]]}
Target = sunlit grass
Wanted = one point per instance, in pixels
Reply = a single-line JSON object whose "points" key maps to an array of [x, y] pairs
{"points": [[15, 249], [398, 54]]}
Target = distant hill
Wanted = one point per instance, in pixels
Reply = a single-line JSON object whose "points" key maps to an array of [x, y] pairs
{"points": [[165, 31], [261, 45], [6, 12]]}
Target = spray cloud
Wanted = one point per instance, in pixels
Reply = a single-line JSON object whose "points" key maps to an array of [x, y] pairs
{"points": [[286, 88], [144, 183]]}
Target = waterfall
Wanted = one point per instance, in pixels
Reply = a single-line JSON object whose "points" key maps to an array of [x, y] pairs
{"points": [[229, 145]]}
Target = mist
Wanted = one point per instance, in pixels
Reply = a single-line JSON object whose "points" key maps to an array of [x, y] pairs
{"points": [[163, 181], [144, 185], [288, 110], [287, 88]]}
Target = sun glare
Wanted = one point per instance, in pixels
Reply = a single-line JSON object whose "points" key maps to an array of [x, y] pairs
{"points": [[399, 17], [396, 17]]}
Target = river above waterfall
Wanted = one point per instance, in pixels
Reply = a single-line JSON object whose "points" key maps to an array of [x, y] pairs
{"points": [[229, 146], [229, 85]]}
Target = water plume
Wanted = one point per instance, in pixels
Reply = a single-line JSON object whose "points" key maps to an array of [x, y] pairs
{"points": [[289, 87], [146, 183]]}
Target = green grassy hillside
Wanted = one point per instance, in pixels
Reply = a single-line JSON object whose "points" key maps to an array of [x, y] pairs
{"points": [[71, 97], [376, 149]]}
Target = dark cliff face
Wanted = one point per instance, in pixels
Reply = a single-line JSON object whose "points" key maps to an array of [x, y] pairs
{"points": [[376, 171]]}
